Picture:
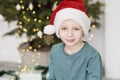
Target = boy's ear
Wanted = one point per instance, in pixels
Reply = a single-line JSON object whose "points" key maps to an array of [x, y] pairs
{"points": [[83, 33], [59, 33]]}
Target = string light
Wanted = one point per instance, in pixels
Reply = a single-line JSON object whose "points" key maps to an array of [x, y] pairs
{"points": [[19, 66], [19, 61], [22, 7], [37, 29], [35, 19], [23, 12], [21, 1], [20, 22], [89, 38], [21, 26], [18, 46], [31, 39], [39, 46], [36, 64], [39, 5], [23, 50], [30, 47], [47, 17], [38, 56], [33, 12], [25, 67], [27, 50], [22, 71], [33, 60], [91, 35], [25, 30], [91, 17], [19, 31], [28, 20], [28, 9], [93, 26], [31, 71], [12, 79], [39, 21], [33, 36], [24, 17], [34, 30], [25, 40], [20, 76], [35, 50], [17, 35], [33, 56], [18, 73]]}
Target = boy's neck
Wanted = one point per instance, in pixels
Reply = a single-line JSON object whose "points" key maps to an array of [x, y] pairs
{"points": [[73, 49]]}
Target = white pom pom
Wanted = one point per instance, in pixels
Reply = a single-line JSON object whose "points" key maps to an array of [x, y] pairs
{"points": [[49, 29]]}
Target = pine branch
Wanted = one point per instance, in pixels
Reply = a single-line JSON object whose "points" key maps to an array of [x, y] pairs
{"points": [[11, 73], [11, 32]]}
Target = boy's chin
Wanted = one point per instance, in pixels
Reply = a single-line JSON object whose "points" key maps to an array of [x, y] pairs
{"points": [[69, 44]]}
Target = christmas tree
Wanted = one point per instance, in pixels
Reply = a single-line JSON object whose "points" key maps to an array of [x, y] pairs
{"points": [[33, 15]]}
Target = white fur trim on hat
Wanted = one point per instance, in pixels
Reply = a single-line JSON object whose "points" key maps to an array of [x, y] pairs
{"points": [[49, 29], [70, 13]]}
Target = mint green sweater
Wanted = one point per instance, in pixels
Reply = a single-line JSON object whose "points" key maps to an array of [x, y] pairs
{"points": [[85, 64]]}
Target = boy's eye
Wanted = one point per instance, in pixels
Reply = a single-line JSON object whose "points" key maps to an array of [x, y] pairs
{"points": [[76, 29], [63, 28]]}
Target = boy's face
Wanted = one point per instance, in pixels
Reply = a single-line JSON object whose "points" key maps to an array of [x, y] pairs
{"points": [[70, 33]]}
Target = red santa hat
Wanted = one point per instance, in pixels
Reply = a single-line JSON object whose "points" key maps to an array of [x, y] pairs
{"points": [[68, 9]]}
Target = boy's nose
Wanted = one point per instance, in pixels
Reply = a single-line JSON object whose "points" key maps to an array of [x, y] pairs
{"points": [[70, 33]]}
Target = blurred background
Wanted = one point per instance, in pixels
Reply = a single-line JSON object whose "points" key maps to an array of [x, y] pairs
{"points": [[24, 48]]}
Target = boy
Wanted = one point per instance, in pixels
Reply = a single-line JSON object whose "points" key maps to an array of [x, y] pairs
{"points": [[74, 58]]}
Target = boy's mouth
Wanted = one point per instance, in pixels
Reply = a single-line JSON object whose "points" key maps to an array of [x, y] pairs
{"points": [[70, 40]]}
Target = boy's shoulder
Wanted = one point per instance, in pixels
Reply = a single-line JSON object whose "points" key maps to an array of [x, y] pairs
{"points": [[56, 47], [92, 50]]}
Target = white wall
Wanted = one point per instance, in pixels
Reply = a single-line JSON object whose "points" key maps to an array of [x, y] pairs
{"points": [[8, 44], [112, 39], [98, 40]]}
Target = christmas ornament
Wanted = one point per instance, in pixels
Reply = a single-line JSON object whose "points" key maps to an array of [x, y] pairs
{"points": [[18, 6], [1, 17], [31, 6], [54, 5], [40, 34]]}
